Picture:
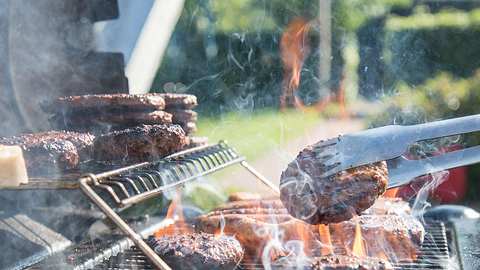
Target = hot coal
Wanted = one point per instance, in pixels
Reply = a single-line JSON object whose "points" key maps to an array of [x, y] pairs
{"points": [[397, 237], [198, 251], [142, 143], [316, 199], [179, 101], [52, 151], [332, 262]]}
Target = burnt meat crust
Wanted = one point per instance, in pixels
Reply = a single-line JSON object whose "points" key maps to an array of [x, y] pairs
{"points": [[183, 116], [141, 143], [198, 251], [332, 262], [315, 199], [52, 151], [179, 101], [149, 101]]}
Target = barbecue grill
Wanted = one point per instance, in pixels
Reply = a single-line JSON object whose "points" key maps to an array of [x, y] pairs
{"points": [[447, 244]]}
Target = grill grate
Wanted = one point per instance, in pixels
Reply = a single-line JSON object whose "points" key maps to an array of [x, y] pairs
{"points": [[134, 184], [434, 254]]}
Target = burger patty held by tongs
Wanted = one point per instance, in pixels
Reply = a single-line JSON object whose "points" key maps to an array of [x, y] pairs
{"points": [[333, 180]]}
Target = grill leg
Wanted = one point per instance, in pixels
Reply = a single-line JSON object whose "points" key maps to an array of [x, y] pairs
{"points": [[137, 239]]}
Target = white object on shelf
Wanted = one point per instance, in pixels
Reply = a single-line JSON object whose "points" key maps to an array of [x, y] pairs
{"points": [[13, 171]]}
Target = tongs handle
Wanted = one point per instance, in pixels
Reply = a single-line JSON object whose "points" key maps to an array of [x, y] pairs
{"points": [[445, 128], [401, 171]]}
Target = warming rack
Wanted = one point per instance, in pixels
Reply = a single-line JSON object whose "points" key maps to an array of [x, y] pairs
{"points": [[130, 185]]}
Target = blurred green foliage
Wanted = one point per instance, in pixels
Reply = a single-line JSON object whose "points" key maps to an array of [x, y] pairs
{"points": [[442, 97], [422, 19]]}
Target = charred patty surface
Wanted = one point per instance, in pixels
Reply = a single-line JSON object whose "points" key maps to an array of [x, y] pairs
{"points": [[316, 199], [141, 102], [140, 143], [198, 251], [52, 151], [179, 101]]}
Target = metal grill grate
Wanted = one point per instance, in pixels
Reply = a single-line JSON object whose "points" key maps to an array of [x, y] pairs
{"points": [[134, 184], [434, 254]]}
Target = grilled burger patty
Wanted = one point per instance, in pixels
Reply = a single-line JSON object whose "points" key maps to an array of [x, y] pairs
{"points": [[332, 262], [198, 251], [183, 116], [179, 101], [316, 199], [397, 237], [52, 151], [255, 223], [106, 121], [140, 143], [142, 102]]}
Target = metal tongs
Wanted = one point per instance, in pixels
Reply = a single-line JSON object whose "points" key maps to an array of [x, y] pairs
{"points": [[389, 143]]}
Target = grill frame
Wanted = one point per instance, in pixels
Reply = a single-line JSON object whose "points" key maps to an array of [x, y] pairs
{"points": [[181, 167]]}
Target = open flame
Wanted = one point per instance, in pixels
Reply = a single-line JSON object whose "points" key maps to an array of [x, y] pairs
{"points": [[175, 215], [391, 193], [358, 248], [325, 239], [293, 48]]}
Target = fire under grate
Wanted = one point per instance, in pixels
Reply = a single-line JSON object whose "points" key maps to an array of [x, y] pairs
{"points": [[435, 253]]}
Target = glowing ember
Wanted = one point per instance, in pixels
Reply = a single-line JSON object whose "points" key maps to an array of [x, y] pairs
{"points": [[175, 215], [294, 48], [324, 231], [358, 248]]}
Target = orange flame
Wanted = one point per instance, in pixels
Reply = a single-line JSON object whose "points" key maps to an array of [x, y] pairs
{"points": [[391, 193], [341, 99], [293, 48], [324, 231], [304, 234], [358, 248], [175, 214]]}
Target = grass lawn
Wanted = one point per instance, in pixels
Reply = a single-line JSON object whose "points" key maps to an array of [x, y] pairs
{"points": [[253, 135]]}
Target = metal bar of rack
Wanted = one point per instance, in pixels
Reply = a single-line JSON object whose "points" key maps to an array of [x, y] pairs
{"points": [[134, 184]]}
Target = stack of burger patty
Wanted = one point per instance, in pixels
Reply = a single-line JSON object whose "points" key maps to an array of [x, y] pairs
{"points": [[112, 128], [103, 113]]}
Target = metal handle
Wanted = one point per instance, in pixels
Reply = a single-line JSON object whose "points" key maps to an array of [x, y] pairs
{"points": [[445, 128], [401, 171]]}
